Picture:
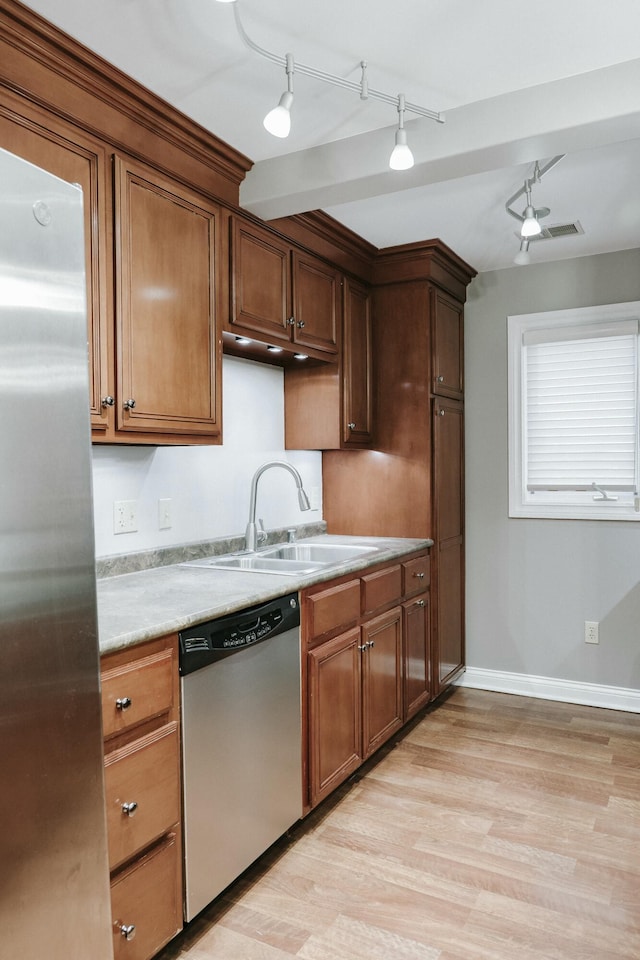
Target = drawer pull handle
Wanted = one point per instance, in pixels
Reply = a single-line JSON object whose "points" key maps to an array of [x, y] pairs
{"points": [[419, 603], [420, 576], [123, 703], [128, 930], [130, 808]]}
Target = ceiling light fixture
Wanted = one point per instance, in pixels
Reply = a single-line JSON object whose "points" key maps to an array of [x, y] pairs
{"points": [[278, 120], [530, 228], [523, 257], [401, 157]]}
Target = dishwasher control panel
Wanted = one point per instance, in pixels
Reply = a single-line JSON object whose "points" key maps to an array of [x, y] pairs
{"points": [[216, 639]]}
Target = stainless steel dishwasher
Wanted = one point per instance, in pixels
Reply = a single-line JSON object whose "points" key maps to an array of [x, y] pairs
{"points": [[241, 742]]}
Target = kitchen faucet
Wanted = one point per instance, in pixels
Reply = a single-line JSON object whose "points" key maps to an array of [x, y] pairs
{"points": [[254, 534]]}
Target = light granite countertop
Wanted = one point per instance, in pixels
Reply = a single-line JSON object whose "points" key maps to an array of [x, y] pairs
{"points": [[141, 605]]}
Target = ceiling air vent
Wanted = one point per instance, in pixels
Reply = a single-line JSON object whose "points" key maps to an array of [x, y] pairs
{"points": [[557, 230]]}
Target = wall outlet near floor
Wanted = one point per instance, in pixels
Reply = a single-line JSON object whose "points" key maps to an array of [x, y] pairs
{"points": [[125, 516], [164, 514], [591, 631]]}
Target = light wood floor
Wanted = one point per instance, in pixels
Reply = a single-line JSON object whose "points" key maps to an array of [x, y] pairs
{"points": [[497, 828]]}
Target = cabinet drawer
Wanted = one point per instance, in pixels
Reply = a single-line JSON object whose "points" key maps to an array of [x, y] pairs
{"points": [[416, 575], [147, 896], [145, 773], [381, 588], [137, 691], [333, 608]]}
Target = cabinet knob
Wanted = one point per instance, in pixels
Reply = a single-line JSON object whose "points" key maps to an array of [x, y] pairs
{"points": [[370, 643], [123, 703], [129, 404], [351, 425], [440, 379], [420, 576], [108, 401], [362, 648], [129, 809], [419, 603], [300, 324], [128, 930], [441, 413], [291, 321]]}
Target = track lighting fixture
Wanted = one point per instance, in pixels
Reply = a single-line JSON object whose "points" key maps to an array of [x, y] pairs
{"points": [[530, 225], [401, 157], [530, 228], [523, 257], [278, 120]]}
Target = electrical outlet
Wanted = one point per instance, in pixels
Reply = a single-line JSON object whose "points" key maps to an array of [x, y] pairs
{"points": [[125, 516], [164, 514], [591, 631]]}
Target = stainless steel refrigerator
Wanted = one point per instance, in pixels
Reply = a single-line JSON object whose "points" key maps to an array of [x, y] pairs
{"points": [[54, 875]]}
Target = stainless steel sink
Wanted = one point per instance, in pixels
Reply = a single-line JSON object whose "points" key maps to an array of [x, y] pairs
{"points": [[286, 559], [256, 563], [323, 553]]}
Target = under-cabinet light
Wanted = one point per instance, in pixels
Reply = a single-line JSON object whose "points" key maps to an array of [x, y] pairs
{"points": [[243, 341], [274, 349], [300, 356]]}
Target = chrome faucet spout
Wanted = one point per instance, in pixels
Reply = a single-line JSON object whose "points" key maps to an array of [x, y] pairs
{"points": [[253, 534]]}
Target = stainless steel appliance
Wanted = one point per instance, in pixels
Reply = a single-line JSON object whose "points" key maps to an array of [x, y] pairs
{"points": [[54, 877], [241, 740]]}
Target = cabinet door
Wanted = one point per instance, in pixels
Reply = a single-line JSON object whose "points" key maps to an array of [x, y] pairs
{"points": [[449, 536], [448, 343], [316, 304], [73, 157], [416, 654], [260, 283], [168, 350], [381, 679], [357, 407], [335, 732]]}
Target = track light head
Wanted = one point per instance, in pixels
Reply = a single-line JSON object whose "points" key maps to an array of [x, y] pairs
{"points": [[278, 120], [401, 157], [523, 257]]}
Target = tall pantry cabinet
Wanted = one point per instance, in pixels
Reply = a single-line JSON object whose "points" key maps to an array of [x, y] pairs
{"points": [[412, 483]]}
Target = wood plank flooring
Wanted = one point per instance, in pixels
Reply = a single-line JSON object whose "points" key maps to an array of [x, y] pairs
{"points": [[496, 828]]}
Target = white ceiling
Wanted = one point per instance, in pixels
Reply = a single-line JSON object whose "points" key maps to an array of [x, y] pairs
{"points": [[518, 82]]}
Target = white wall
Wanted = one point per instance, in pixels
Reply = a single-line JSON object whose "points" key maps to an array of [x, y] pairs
{"points": [[531, 584], [209, 486]]}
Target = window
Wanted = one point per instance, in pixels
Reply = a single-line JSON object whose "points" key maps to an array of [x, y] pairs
{"points": [[573, 413]]}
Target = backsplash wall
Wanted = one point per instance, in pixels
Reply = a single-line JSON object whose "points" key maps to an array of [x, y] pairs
{"points": [[208, 486]]}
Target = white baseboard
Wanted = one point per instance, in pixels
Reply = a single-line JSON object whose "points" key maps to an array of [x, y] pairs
{"points": [[548, 688]]}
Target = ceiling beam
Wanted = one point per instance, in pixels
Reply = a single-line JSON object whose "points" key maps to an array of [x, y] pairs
{"points": [[564, 116]]}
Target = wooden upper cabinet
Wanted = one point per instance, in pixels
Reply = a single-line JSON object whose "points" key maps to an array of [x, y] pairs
{"points": [[447, 338], [260, 283], [357, 366], [330, 406], [55, 146], [168, 354], [281, 296], [317, 293]]}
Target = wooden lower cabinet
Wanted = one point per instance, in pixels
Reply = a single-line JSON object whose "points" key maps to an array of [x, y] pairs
{"points": [[140, 707], [146, 905], [364, 679], [335, 712], [417, 654], [381, 679]]}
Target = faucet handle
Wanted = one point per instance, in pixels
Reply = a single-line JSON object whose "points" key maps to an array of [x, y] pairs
{"points": [[291, 535], [261, 533]]}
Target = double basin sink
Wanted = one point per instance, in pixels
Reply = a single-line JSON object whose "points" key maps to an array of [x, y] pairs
{"points": [[288, 559]]}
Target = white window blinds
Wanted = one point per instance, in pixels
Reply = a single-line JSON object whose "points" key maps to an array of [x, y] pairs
{"points": [[574, 390], [580, 408]]}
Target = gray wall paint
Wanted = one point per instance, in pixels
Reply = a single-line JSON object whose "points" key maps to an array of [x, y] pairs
{"points": [[531, 584]]}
